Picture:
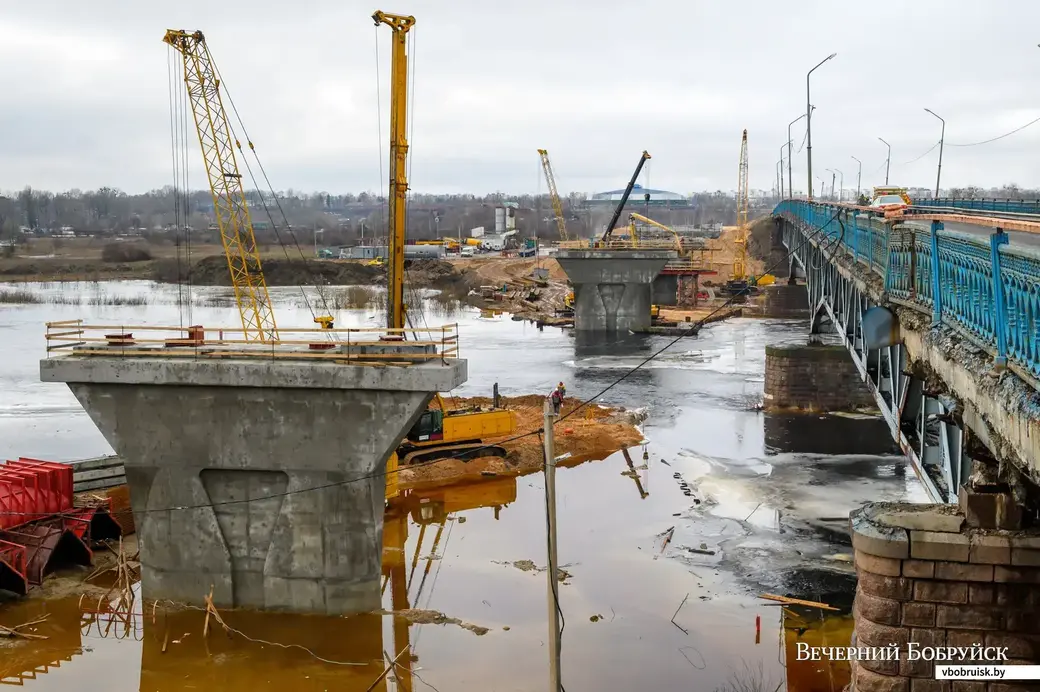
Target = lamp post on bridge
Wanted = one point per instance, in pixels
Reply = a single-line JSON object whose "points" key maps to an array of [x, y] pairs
{"points": [[782, 170], [823, 187], [859, 177], [942, 136], [888, 161], [790, 177], [834, 174], [808, 122], [841, 183]]}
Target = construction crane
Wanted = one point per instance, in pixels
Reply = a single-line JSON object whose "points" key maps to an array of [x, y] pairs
{"points": [[225, 183], [624, 198], [550, 180], [739, 280], [400, 25]]}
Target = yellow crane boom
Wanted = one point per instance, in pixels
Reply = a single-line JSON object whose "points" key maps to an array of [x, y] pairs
{"points": [[225, 183], [398, 171], [740, 257], [550, 180], [650, 222]]}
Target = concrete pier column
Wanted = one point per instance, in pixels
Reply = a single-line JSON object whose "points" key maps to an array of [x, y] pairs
{"points": [[929, 577], [612, 288], [261, 477]]}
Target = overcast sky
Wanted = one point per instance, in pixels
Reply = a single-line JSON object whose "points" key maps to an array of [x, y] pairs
{"points": [[595, 82]]}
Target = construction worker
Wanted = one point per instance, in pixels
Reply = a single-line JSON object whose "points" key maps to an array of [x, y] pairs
{"points": [[563, 390], [556, 398]]}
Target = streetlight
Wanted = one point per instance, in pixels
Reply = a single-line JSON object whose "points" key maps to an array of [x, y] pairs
{"points": [[790, 176], [942, 136], [782, 170], [859, 176], [808, 122], [888, 161], [823, 187], [778, 181], [841, 183]]}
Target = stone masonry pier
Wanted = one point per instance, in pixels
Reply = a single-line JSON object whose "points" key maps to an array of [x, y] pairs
{"points": [[945, 576], [263, 478], [612, 287]]}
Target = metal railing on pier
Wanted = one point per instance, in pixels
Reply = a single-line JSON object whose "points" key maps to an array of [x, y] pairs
{"points": [[354, 346]]}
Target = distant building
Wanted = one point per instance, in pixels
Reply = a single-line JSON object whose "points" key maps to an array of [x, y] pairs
{"points": [[658, 198]]}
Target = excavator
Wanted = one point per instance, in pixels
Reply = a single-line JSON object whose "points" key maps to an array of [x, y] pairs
{"points": [[440, 432]]}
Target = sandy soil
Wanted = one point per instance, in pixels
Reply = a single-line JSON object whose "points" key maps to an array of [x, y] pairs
{"points": [[592, 433], [71, 580], [758, 249]]}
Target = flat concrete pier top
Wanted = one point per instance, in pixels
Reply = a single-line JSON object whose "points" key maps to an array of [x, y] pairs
{"points": [[260, 476], [613, 287]]}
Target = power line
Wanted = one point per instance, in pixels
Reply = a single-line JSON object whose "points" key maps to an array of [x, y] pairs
{"points": [[930, 150], [994, 139]]}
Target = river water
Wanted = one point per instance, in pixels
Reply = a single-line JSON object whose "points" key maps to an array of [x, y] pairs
{"points": [[667, 554]]}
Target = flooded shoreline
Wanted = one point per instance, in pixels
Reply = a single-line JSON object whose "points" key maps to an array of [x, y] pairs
{"points": [[753, 503]]}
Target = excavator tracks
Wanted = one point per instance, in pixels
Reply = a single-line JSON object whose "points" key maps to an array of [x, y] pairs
{"points": [[466, 452]]}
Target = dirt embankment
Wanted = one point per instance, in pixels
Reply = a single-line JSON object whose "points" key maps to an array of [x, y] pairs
{"points": [[759, 244], [590, 433]]}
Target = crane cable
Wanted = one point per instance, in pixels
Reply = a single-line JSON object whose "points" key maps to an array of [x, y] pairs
{"points": [[308, 269]]}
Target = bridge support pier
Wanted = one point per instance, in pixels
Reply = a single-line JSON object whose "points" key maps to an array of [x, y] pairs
{"points": [[612, 288], [942, 576], [813, 378], [262, 479]]}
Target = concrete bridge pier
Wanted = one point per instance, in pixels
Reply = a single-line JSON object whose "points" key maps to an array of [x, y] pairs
{"points": [[261, 477], [964, 575], [613, 288]]}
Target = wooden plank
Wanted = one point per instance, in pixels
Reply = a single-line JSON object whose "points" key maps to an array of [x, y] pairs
{"points": [[99, 484], [95, 474]]}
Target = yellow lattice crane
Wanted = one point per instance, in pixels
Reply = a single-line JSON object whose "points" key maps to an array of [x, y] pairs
{"points": [[225, 182], [398, 170], [740, 257], [550, 180]]}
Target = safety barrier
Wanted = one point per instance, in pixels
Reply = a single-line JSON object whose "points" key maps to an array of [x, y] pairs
{"points": [[356, 346], [986, 289], [1009, 206]]}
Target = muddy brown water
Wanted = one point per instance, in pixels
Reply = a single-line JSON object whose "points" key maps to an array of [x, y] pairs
{"points": [[752, 504]]}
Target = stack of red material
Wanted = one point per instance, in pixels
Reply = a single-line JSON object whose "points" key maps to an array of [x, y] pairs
{"points": [[33, 493]]}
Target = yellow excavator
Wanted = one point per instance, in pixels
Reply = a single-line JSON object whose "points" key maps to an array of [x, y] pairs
{"points": [[440, 432]]}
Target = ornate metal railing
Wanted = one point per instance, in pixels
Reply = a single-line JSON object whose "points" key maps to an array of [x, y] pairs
{"points": [[984, 287]]}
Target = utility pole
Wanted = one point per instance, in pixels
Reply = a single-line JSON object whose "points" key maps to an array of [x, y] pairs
{"points": [[549, 417], [888, 160], [859, 176], [808, 122], [941, 138]]}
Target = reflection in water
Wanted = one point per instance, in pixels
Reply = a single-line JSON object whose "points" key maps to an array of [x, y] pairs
{"points": [[802, 433], [815, 628]]}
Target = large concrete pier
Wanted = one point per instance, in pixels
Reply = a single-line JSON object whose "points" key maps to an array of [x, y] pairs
{"points": [[612, 288], [263, 478]]}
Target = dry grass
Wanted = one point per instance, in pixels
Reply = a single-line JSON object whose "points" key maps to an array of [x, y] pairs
{"points": [[14, 296]]}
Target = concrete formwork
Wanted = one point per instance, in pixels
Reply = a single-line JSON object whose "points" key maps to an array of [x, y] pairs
{"points": [[262, 478], [612, 288]]}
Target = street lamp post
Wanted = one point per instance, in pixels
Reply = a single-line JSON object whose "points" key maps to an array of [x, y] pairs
{"points": [[942, 136], [808, 122], [841, 184], [790, 178], [823, 186], [888, 161], [782, 171], [859, 176], [834, 174]]}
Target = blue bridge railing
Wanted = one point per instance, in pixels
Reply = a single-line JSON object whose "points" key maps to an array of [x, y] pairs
{"points": [[984, 288], [1007, 206]]}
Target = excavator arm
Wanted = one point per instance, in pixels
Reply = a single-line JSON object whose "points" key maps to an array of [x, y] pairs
{"points": [[651, 222], [225, 183], [550, 180]]}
